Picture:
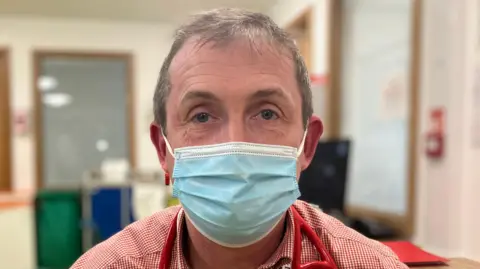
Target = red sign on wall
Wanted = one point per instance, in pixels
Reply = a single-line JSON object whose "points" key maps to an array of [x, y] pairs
{"points": [[318, 79], [20, 123]]}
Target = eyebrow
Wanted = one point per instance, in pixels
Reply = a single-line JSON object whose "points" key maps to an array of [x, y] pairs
{"points": [[206, 95], [260, 94], [265, 93]]}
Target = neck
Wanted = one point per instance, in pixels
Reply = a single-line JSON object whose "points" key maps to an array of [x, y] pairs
{"points": [[205, 254]]}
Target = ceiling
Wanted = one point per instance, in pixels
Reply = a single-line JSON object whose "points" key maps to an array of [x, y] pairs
{"points": [[132, 10]]}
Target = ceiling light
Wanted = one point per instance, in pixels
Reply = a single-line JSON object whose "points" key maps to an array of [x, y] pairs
{"points": [[102, 145], [47, 83], [57, 100]]}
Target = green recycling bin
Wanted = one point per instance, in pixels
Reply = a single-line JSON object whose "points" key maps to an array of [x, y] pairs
{"points": [[59, 235]]}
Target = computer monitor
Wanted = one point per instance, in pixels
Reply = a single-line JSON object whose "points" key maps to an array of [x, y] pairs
{"points": [[323, 182]]}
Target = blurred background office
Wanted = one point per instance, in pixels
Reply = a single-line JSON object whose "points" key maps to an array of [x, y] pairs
{"points": [[396, 82]]}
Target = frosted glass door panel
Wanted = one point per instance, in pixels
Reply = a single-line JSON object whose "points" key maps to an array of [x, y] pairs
{"points": [[376, 64], [84, 115]]}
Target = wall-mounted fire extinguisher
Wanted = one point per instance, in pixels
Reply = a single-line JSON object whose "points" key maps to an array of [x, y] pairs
{"points": [[435, 139]]}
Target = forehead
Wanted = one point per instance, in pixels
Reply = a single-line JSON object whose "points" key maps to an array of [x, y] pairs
{"points": [[238, 59], [247, 50]]}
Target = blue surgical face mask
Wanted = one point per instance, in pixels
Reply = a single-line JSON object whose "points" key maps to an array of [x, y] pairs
{"points": [[235, 193]]}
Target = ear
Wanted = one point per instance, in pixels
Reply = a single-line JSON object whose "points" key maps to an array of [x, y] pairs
{"points": [[315, 131], [160, 145]]}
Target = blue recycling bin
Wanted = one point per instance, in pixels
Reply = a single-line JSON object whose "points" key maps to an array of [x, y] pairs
{"points": [[111, 211]]}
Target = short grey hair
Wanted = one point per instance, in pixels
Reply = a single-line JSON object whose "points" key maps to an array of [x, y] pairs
{"points": [[222, 26]]}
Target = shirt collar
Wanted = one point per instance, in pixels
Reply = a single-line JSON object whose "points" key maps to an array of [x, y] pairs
{"points": [[283, 252]]}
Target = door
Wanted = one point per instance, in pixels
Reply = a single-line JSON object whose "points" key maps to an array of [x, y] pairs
{"points": [[376, 105], [84, 114], [5, 145]]}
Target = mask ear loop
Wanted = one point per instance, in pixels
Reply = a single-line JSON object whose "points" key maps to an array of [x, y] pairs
{"points": [[302, 144], [169, 148]]}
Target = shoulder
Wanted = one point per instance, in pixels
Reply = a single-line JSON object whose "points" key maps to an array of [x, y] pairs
{"points": [[349, 248], [137, 241]]}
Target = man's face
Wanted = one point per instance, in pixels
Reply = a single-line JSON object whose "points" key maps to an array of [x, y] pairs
{"points": [[234, 93]]}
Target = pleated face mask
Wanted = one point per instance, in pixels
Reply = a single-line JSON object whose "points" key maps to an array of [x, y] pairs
{"points": [[235, 193]]}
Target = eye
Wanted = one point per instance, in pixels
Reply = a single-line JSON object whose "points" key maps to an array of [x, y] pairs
{"points": [[201, 117], [268, 114]]}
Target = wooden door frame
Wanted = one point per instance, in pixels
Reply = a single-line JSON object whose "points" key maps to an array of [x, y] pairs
{"points": [[403, 224], [334, 64], [5, 56], [38, 55]]}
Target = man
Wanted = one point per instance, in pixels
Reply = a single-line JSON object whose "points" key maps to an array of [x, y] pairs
{"points": [[235, 87]]}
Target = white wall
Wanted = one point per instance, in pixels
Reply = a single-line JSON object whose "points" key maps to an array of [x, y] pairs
{"points": [[285, 11], [448, 208], [148, 42]]}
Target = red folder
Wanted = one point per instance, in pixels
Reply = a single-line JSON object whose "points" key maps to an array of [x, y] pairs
{"points": [[412, 255]]}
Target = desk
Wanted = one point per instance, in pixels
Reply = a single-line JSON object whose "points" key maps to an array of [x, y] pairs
{"points": [[456, 263]]}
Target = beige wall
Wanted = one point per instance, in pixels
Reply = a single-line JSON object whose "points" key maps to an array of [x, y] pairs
{"points": [[17, 247], [148, 42]]}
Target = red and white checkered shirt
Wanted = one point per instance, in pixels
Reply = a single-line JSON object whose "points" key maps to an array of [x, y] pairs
{"points": [[140, 245]]}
